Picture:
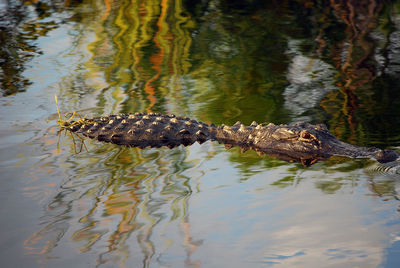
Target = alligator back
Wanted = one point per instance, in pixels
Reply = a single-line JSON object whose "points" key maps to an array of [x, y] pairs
{"points": [[142, 130]]}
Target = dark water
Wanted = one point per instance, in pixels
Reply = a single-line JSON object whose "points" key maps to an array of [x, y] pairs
{"points": [[332, 62]]}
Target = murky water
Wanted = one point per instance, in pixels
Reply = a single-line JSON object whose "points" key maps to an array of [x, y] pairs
{"points": [[64, 205]]}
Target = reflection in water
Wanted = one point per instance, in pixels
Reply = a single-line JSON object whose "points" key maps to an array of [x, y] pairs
{"points": [[216, 61], [158, 58], [122, 208], [310, 80], [121, 201], [144, 55], [357, 51], [19, 28], [118, 209], [355, 56], [252, 89]]}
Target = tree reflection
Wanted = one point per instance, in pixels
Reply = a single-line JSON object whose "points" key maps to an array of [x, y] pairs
{"points": [[217, 61], [21, 23], [355, 56], [123, 211]]}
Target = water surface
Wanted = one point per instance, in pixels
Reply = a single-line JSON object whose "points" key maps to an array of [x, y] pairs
{"points": [[199, 206]]}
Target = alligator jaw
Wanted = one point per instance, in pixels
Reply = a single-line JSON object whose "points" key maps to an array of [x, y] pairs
{"points": [[339, 148]]}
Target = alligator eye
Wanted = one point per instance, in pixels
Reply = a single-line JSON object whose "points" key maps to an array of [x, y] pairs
{"points": [[306, 135]]}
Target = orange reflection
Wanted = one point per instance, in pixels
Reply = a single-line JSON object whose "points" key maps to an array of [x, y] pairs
{"points": [[108, 4], [352, 58], [157, 59], [124, 204], [134, 46]]}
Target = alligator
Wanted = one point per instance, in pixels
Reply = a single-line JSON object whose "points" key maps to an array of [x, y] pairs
{"points": [[298, 142]]}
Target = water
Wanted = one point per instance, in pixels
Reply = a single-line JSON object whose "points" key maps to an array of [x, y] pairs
{"points": [[200, 206]]}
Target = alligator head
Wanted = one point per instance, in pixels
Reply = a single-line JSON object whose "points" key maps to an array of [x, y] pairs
{"points": [[306, 143]]}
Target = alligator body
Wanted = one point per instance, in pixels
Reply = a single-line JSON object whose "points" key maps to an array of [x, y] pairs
{"points": [[299, 142]]}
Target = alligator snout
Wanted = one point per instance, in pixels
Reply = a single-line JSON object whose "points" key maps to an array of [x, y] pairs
{"points": [[384, 156]]}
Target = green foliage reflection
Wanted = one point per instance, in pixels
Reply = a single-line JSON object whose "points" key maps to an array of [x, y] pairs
{"points": [[216, 61]]}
